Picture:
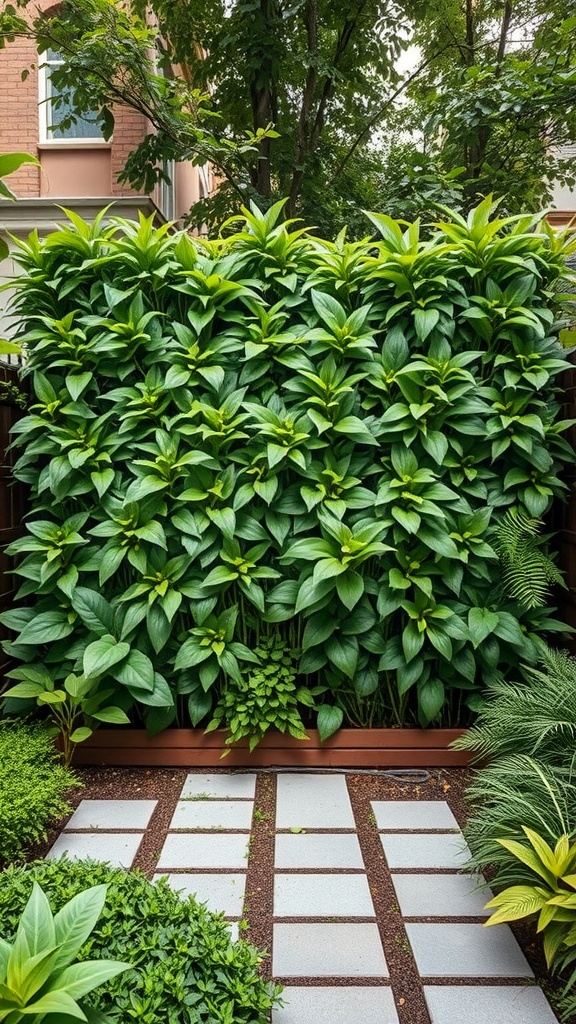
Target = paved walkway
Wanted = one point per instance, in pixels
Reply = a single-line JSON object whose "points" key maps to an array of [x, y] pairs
{"points": [[326, 925]]}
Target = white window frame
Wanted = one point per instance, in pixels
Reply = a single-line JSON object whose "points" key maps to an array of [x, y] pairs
{"points": [[45, 135], [165, 192]]}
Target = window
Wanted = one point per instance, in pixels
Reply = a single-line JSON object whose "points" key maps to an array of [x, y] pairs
{"points": [[85, 128], [165, 193]]}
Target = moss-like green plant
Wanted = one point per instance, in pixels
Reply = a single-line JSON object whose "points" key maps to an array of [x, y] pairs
{"points": [[33, 785]]}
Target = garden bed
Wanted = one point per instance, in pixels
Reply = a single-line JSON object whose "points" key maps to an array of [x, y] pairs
{"points": [[349, 748]]}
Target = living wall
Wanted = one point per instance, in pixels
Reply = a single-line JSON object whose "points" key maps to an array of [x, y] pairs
{"points": [[274, 476]]}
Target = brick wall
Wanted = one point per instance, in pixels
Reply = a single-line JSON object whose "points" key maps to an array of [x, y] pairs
{"points": [[19, 126], [19, 123]]}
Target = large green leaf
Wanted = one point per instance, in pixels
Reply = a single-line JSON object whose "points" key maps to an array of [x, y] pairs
{"points": [[101, 655]]}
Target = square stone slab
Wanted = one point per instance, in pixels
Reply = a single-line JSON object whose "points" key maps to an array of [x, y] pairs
{"points": [[193, 850], [466, 951], [477, 1004], [115, 848], [441, 896], [415, 850], [222, 893], [329, 1005], [228, 814], [313, 801], [413, 814], [214, 787], [328, 895], [111, 814], [318, 851], [327, 950]]}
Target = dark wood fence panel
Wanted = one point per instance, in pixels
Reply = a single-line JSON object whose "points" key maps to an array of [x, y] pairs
{"points": [[12, 496], [563, 516]]}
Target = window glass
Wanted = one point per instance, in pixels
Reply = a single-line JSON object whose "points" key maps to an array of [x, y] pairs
{"points": [[86, 127]]}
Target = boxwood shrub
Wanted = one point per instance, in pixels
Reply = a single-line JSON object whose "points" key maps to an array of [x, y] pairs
{"points": [[186, 970], [33, 785], [270, 442]]}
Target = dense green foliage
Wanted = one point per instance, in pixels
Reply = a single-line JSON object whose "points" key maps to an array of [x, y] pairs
{"points": [[33, 784], [479, 104], [185, 969], [272, 436], [527, 791], [39, 979]]}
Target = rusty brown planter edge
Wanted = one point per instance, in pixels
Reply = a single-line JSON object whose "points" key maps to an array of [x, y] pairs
{"points": [[349, 748]]}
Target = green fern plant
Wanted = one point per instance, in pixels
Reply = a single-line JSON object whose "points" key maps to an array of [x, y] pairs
{"points": [[536, 717], [528, 572], [514, 792]]}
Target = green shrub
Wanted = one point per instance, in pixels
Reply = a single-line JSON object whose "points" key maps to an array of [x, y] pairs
{"points": [[307, 439], [186, 970], [33, 784], [38, 975]]}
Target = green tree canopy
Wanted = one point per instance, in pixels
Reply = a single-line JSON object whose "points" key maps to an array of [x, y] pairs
{"points": [[305, 98]]}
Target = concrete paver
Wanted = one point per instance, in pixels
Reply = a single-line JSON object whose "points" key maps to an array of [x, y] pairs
{"points": [[326, 895], [467, 951], [314, 850], [194, 850], [440, 896], [416, 850], [205, 814], [212, 786], [111, 814], [313, 801], [329, 950], [319, 873], [115, 848], [331, 1005], [413, 814], [222, 893], [478, 1004]]}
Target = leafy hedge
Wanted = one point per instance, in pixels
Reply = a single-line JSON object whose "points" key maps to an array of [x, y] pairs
{"points": [[269, 441], [185, 968]]}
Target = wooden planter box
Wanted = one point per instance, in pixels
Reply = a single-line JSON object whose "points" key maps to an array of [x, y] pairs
{"points": [[349, 748]]}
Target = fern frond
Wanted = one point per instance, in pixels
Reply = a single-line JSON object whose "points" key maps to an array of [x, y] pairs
{"points": [[511, 793], [528, 572], [537, 717]]}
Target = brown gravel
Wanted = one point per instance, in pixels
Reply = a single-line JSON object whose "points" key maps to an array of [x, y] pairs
{"points": [[165, 784]]}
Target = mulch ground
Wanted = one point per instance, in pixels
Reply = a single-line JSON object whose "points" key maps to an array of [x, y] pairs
{"points": [[165, 784]]}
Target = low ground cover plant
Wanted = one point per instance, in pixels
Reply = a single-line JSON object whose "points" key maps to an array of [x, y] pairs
{"points": [[184, 970], [268, 441], [33, 787]]}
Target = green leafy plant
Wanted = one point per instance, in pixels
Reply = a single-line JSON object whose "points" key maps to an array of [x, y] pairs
{"points": [[273, 438], [38, 976], [10, 162], [552, 897], [182, 962], [70, 707], [264, 697], [33, 787]]}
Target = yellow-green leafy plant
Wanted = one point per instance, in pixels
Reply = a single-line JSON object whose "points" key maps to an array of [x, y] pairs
{"points": [[552, 897], [38, 975]]}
